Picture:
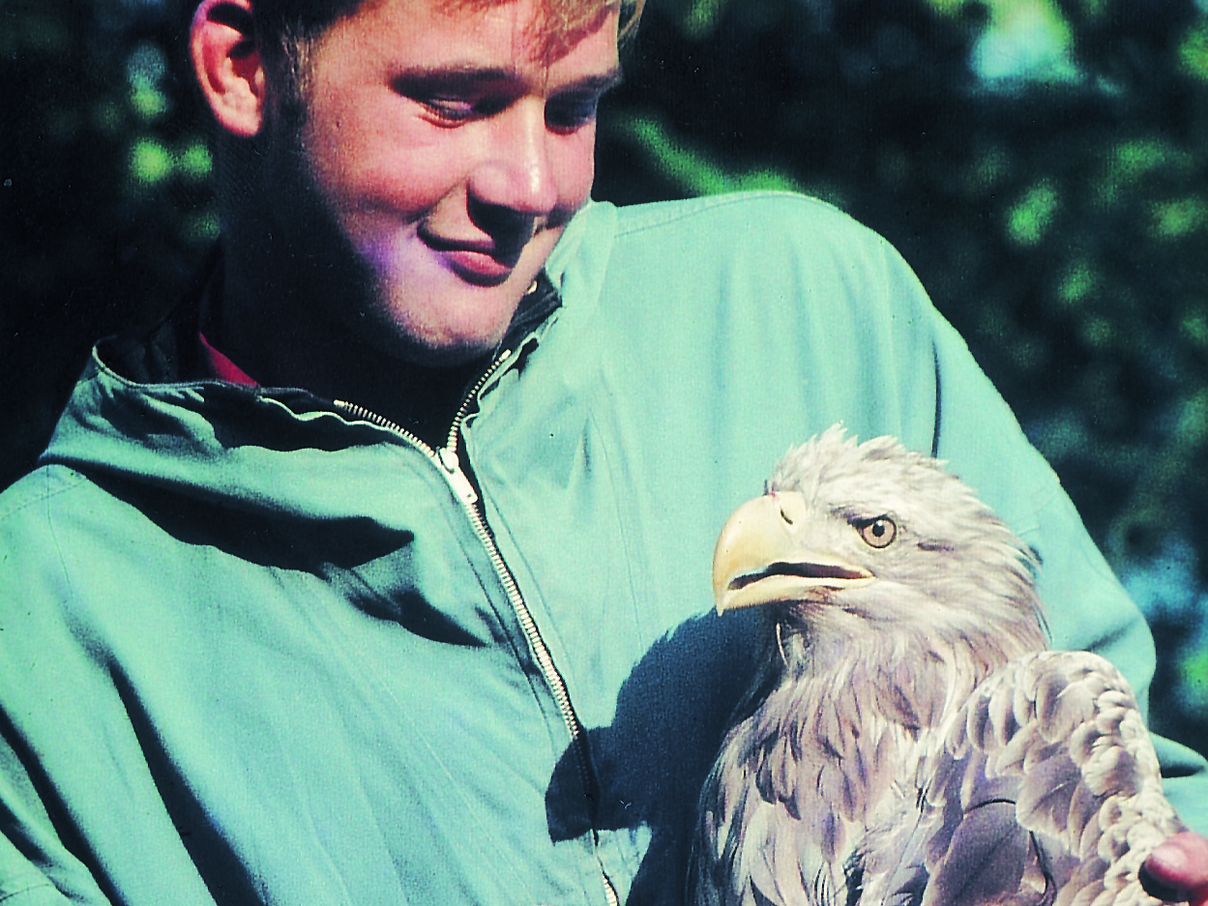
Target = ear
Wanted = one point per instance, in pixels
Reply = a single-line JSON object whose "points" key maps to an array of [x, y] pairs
{"points": [[228, 65]]}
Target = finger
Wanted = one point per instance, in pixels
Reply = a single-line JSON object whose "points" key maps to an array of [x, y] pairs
{"points": [[1178, 869]]}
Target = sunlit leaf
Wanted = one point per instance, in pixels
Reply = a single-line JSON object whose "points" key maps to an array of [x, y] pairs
{"points": [[194, 162], [202, 228], [146, 65], [1079, 284], [1173, 220], [1027, 40], [150, 162], [1192, 427], [766, 179], [1137, 157], [702, 17], [1029, 219], [948, 7], [987, 170], [148, 103], [1100, 333], [694, 171], [1193, 673], [1193, 52], [1194, 327]]}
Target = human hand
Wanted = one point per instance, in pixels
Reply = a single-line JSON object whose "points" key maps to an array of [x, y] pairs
{"points": [[1178, 869]]}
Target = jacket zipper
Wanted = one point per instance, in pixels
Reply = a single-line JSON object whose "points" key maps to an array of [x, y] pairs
{"points": [[447, 460]]}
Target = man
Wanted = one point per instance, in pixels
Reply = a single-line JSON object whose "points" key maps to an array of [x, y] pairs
{"points": [[378, 573]]}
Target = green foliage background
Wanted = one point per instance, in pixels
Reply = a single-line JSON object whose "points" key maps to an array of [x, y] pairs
{"points": [[1051, 193]]}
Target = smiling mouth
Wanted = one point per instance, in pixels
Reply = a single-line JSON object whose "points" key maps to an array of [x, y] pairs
{"points": [[480, 263], [480, 268]]}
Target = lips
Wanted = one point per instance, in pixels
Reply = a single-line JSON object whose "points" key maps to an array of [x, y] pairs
{"points": [[481, 263], [478, 267]]}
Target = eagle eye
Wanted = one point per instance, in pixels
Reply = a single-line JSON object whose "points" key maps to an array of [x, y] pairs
{"points": [[878, 532]]}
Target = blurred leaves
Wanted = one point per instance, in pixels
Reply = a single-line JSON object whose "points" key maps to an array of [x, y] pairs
{"points": [[1193, 52], [1029, 219], [1043, 164], [106, 201], [695, 171]]}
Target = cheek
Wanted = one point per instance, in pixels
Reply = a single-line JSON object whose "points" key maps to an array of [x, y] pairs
{"points": [[386, 173], [364, 154], [574, 162]]}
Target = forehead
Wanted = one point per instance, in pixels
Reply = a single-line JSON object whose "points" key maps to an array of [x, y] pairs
{"points": [[875, 479]]}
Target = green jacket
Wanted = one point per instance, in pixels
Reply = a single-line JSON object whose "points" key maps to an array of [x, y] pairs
{"points": [[256, 647]]}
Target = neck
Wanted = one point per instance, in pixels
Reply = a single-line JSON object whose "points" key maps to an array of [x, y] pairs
{"points": [[278, 332], [908, 679]]}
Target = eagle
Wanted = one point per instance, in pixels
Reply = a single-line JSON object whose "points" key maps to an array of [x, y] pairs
{"points": [[909, 739]]}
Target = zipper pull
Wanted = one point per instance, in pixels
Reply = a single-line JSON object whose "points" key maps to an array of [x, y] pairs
{"points": [[456, 477]]}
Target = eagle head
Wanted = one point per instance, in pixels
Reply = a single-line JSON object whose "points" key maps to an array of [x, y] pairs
{"points": [[866, 540]]}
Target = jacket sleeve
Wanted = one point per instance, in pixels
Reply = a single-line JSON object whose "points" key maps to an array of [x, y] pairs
{"points": [[42, 855], [35, 869], [1087, 608]]}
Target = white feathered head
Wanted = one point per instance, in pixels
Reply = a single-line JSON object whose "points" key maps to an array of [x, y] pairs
{"points": [[871, 540]]}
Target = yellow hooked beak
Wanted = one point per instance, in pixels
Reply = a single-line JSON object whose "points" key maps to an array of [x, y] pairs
{"points": [[760, 559]]}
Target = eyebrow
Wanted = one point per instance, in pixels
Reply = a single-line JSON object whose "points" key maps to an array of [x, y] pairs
{"points": [[469, 75], [601, 83]]}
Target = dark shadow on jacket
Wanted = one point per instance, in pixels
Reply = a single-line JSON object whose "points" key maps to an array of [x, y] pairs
{"points": [[650, 763]]}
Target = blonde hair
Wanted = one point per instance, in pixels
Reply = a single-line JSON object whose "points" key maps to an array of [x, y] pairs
{"points": [[287, 30], [560, 22]]}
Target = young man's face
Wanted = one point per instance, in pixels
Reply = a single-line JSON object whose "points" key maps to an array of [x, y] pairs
{"points": [[450, 157]]}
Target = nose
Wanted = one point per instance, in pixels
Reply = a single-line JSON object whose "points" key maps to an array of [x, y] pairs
{"points": [[515, 178]]}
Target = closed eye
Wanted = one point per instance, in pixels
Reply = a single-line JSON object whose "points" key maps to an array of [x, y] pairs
{"points": [[457, 95], [566, 114], [578, 104], [454, 110]]}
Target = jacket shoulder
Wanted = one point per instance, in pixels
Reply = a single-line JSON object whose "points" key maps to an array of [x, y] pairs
{"points": [[29, 497], [753, 254], [40, 530], [779, 241], [738, 215]]}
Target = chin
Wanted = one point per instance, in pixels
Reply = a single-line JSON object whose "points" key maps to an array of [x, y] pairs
{"points": [[448, 356], [439, 347], [467, 325]]}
